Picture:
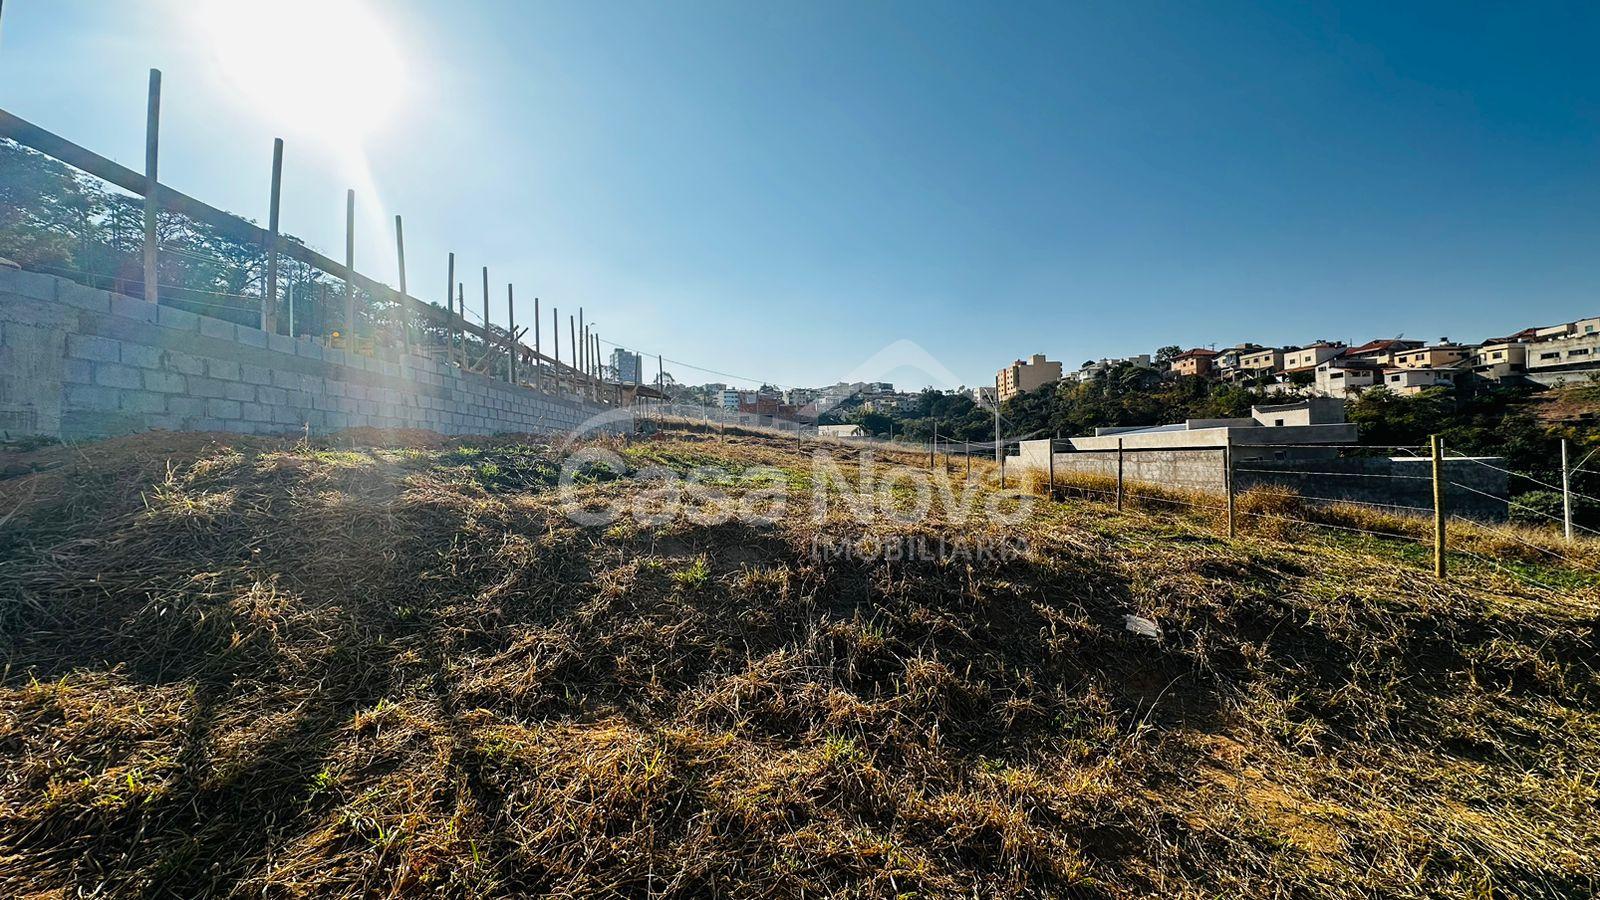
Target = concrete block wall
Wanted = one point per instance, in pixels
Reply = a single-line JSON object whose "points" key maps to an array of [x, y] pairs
{"points": [[1472, 489], [78, 363]]}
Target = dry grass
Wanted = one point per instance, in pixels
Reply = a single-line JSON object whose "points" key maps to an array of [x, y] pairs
{"points": [[255, 668]]}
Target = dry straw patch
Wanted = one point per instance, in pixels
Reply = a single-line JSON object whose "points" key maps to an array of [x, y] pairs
{"points": [[396, 668]]}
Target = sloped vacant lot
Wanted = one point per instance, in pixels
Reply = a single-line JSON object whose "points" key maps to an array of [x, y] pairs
{"points": [[241, 667]]}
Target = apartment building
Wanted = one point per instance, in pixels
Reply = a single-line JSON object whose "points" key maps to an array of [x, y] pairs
{"points": [[1198, 361], [728, 398], [1307, 358], [1443, 354], [626, 366], [1021, 377], [1564, 359]]}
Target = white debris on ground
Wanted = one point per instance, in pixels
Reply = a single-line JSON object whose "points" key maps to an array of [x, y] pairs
{"points": [[1142, 627]]}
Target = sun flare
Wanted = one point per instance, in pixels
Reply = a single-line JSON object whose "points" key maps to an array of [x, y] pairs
{"points": [[325, 67]]}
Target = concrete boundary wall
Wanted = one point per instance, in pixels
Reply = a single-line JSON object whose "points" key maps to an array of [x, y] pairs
{"points": [[1402, 484], [79, 363]]}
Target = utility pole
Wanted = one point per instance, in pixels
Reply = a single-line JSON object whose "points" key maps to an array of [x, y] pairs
{"points": [[1436, 446], [152, 144], [1566, 493], [269, 298]]}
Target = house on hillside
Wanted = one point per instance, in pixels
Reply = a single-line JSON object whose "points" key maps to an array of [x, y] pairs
{"points": [[1307, 358], [1198, 361], [1415, 381], [1344, 377], [1381, 351], [1436, 356]]}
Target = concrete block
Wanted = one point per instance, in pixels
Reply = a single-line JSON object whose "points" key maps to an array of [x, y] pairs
{"points": [[222, 409], [95, 349], [222, 369], [216, 328], [83, 297], [75, 371], [307, 348], [117, 375], [251, 337], [179, 319], [165, 382], [238, 390], [186, 406], [273, 396], [141, 355], [184, 363], [254, 412], [336, 355], [142, 402], [36, 285], [209, 423], [136, 308], [85, 396], [281, 343], [255, 374], [206, 387]]}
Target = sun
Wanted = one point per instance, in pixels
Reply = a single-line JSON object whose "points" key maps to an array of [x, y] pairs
{"points": [[327, 68]]}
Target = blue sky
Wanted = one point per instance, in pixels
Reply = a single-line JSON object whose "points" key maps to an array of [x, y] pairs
{"points": [[781, 190]]}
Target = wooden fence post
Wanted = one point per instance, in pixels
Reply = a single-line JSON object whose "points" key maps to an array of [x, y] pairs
{"points": [[350, 267], [1119, 474], [269, 298], [1227, 476], [152, 145]]}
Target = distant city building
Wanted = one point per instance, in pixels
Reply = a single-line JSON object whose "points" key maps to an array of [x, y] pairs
{"points": [[626, 366], [728, 398], [1021, 377]]}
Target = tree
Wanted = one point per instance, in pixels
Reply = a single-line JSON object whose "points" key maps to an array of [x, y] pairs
{"points": [[1167, 353]]}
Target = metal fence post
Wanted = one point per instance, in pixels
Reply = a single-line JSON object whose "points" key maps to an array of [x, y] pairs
{"points": [[1566, 493], [1436, 446]]}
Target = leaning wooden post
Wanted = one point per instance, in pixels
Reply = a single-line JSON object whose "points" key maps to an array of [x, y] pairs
{"points": [[1437, 447], [269, 299], [511, 329], [350, 268], [152, 144], [1227, 477], [400, 259], [1050, 466], [572, 341], [580, 358], [1119, 474], [538, 364], [461, 319], [555, 335], [488, 348], [934, 446], [450, 307]]}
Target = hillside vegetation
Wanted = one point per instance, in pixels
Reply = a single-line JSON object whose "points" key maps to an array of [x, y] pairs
{"points": [[236, 666]]}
